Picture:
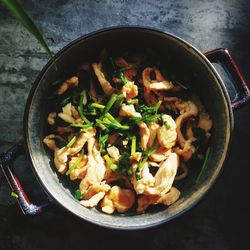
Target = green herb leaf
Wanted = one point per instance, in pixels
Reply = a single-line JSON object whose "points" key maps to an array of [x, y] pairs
{"points": [[132, 101], [133, 144], [13, 194], [127, 68], [82, 126], [110, 163], [167, 126], [19, 13], [75, 163], [78, 194], [118, 102], [181, 85], [109, 105], [80, 108], [71, 142], [113, 167], [149, 113], [97, 105], [122, 77], [102, 141], [204, 167]]}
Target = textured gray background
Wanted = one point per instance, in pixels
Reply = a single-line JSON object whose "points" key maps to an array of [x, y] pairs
{"points": [[221, 220]]}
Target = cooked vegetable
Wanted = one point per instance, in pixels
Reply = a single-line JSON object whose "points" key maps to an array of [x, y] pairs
{"points": [[13, 194]]}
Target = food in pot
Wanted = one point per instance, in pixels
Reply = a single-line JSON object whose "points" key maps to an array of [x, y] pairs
{"points": [[123, 129]]}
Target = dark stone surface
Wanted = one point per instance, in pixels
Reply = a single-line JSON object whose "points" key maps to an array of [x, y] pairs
{"points": [[221, 220]]}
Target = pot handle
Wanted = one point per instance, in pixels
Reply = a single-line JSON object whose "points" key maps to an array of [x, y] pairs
{"points": [[6, 161], [223, 57]]}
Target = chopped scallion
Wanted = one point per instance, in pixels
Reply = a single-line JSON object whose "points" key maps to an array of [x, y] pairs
{"points": [[204, 166], [97, 105], [78, 194], [13, 194], [75, 163], [133, 144], [80, 109], [109, 105], [71, 142]]}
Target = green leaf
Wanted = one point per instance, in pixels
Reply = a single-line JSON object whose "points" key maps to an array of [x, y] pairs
{"points": [[19, 13], [109, 105], [71, 142], [78, 194], [204, 167], [133, 144], [102, 141], [76, 163], [80, 109], [149, 113], [13, 194]]}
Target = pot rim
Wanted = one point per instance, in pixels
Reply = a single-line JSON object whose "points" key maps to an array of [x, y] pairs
{"points": [[103, 30]]}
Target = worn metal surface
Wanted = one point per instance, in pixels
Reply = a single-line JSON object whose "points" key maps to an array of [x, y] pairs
{"points": [[221, 220]]}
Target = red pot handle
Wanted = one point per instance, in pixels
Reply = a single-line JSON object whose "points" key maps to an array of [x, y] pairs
{"points": [[6, 162], [223, 57]]}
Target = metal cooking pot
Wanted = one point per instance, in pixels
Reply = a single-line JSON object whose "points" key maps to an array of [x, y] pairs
{"points": [[187, 62]]}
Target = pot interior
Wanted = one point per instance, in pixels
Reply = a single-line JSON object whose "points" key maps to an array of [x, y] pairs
{"points": [[184, 62]]}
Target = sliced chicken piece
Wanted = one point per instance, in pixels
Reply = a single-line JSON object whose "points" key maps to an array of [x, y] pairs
{"points": [[165, 85], [146, 184], [66, 118], [66, 114], [160, 155], [166, 134], [80, 170], [75, 113], [159, 84], [122, 199], [114, 153], [96, 188], [105, 84], [50, 142], [205, 122], [60, 159], [161, 182], [129, 90], [81, 140], [61, 155], [171, 197], [187, 151], [144, 133], [96, 167], [144, 201], [68, 84], [107, 205], [51, 118], [128, 111], [187, 109], [164, 177], [93, 201], [95, 194], [153, 128]]}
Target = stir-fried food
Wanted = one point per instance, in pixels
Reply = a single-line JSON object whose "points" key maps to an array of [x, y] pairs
{"points": [[126, 132]]}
